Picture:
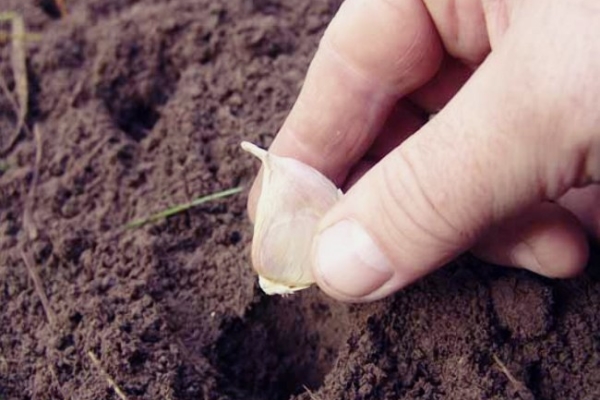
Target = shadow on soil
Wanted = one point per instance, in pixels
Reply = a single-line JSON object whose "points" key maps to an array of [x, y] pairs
{"points": [[282, 347]]}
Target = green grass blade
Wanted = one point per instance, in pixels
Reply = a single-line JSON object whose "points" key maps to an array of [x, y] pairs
{"points": [[183, 207]]}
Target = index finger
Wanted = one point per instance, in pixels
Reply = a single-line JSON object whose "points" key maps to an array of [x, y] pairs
{"points": [[372, 53]]}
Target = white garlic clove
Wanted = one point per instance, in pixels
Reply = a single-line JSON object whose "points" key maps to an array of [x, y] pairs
{"points": [[293, 198]]}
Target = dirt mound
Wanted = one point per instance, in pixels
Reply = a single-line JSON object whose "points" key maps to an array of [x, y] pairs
{"points": [[139, 105]]}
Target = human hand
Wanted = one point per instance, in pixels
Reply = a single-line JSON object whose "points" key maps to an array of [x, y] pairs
{"points": [[504, 168]]}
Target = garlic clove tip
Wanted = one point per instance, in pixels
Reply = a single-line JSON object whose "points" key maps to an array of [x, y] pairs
{"points": [[255, 150], [271, 287]]}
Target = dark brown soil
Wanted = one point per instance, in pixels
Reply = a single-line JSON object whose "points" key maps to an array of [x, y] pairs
{"points": [[141, 104]]}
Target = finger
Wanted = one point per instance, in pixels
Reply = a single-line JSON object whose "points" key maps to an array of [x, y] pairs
{"points": [[482, 159], [547, 240], [403, 121], [497, 19], [585, 204], [462, 28], [372, 53]]}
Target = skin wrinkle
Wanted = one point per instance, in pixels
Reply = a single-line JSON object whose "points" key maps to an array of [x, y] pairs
{"points": [[487, 159], [415, 45], [403, 237], [420, 191], [416, 50], [461, 43], [381, 90], [380, 84], [498, 148]]}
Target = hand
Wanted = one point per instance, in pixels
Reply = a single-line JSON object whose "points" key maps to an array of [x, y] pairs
{"points": [[504, 168]]}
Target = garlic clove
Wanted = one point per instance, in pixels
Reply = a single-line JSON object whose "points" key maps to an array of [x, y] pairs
{"points": [[293, 198]]}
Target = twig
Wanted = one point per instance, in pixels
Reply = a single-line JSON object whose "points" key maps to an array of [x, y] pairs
{"points": [[62, 7], [9, 95], [28, 220], [311, 394], [518, 385], [29, 37], [39, 288], [183, 207], [57, 381], [3, 363], [19, 67], [77, 91], [13, 102], [109, 380]]}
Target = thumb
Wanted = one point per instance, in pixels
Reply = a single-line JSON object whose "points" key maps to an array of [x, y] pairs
{"points": [[482, 159]]}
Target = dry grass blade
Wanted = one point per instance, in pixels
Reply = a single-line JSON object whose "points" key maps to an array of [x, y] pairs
{"points": [[39, 287], [9, 95], [505, 371], [28, 221], [29, 37], [311, 394], [62, 7], [19, 68], [183, 207], [109, 380], [523, 390]]}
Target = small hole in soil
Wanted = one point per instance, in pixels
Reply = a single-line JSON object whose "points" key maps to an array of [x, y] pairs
{"points": [[137, 359], [126, 327], [65, 342], [75, 318], [281, 347], [50, 8], [268, 7], [235, 237], [151, 334], [137, 119], [126, 155]]}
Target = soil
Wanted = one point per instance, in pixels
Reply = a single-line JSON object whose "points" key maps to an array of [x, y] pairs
{"points": [[141, 104]]}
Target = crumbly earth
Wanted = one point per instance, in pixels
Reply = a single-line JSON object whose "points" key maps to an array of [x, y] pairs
{"points": [[137, 105]]}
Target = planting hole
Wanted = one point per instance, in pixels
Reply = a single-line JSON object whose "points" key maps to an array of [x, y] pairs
{"points": [[137, 119], [281, 347]]}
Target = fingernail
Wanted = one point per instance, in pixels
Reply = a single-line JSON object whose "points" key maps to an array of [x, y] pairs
{"points": [[523, 256], [349, 261]]}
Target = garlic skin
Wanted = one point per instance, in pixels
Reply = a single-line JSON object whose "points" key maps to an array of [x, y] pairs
{"points": [[293, 198]]}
